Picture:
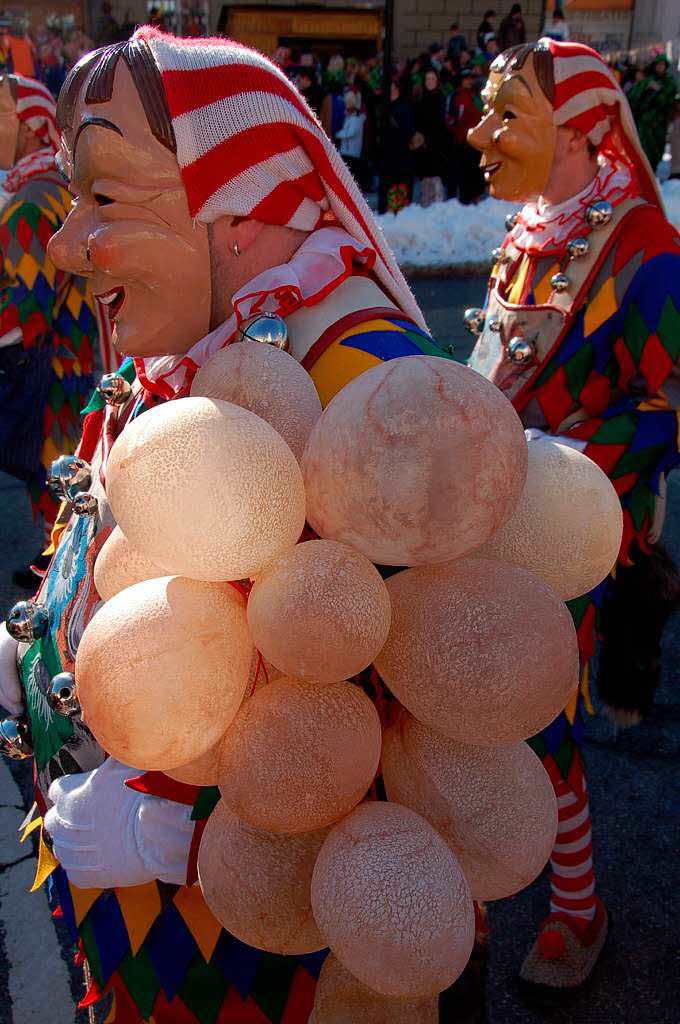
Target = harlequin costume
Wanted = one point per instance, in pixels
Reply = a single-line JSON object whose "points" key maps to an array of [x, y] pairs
{"points": [[47, 323], [582, 333], [346, 306]]}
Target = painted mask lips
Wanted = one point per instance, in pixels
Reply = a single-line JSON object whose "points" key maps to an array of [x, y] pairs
{"points": [[490, 169], [113, 301]]}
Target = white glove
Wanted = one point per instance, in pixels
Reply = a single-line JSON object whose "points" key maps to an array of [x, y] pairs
{"points": [[533, 434], [107, 835], [11, 693]]}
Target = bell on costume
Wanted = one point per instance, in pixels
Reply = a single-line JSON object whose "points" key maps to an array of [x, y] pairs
{"points": [[473, 319], [559, 282], [27, 621], [599, 214], [520, 350], [62, 695], [15, 738], [495, 325], [577, 248], [500, 256], [69, 475], [510, 221], [267, 328], [85, 504], [114, 389]]}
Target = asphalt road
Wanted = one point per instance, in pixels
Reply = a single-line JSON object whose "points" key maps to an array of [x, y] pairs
{"points": [[636, 826]]}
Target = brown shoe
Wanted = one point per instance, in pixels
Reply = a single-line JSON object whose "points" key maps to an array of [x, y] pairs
{"points": [[566, 950]]}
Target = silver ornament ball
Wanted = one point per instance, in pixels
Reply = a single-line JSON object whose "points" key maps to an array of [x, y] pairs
{"points": [[495, 325], [267, 328], [69, 474], [114, 389], [500, 256], [15, 738], [520, 350], [85, 505], [62, 695], [27, 621], [510, 221], [577, 248], [473, 319], [559, 282], [599, 214]]}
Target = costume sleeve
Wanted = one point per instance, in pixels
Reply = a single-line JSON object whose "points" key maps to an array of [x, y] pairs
{"points": [[27, 288]]}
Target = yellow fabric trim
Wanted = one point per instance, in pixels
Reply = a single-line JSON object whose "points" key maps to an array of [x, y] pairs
{"points": [[600, 308], [31, 827], [543, 289], [47, 863], [370, 325], [517, 286], [338, 366], [204, 927], [140, 905], [83, 900], [111, 1016], [570, 710], [585, 689]]}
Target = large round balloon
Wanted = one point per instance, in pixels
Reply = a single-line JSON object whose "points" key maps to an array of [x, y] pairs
{"points": [[495, 808], [300, 755], [258, 884], [205, 489], [340, 998], [320, 612], [483, 652], [119, 565], [162, 669], [418, 460], [392, 902], [203, 771], [567, 525], [267, 381]]}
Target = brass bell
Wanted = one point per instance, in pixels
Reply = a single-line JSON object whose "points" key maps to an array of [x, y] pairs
{"points": [[27, 621], [577, 248], [559, 282], [267, 328], [69, 473], [473, 319], [62, 695], [114, 389], [495, 325], [15, 738], [85, 505], [599, 214], [520, 350], [510, 221], [499, 256]]}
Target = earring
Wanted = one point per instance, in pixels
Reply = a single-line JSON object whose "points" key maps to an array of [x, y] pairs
{"points": [[88, 255], [235, 249]]}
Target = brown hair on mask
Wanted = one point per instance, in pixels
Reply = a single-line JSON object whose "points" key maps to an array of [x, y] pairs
{"points": [[516, 57]]}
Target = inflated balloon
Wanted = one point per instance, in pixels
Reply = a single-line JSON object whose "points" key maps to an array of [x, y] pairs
{"points": [[267, 381], [119, 565], [341, 999], [392, 902], [320, 612], [483, 652], [495, 808], [162, 669], [203, 771], [567, 525], [416, 461], [300, 755], [205, 489], [258, 884]]}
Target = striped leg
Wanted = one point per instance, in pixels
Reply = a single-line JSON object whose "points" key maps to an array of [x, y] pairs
{"points": [[572, 881]]}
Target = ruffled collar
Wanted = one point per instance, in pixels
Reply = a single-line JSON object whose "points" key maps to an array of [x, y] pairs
{"points": [[35, 163]]}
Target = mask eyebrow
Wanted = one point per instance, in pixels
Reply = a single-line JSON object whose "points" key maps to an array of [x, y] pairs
{"points": [[97, 122], [522, 79]]}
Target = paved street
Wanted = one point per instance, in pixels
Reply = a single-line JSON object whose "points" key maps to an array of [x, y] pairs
{"points": [[636, 825]]}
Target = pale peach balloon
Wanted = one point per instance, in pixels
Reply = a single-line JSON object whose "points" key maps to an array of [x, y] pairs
{"points": [[118, 565], [300, 755], [483, 652], [162, 669], [567, 526], [392, 903], [340, 998], [203, 771], [416, 461], [495, 808], [257, 884], [321, 611], [267, 381], [205, 489]]}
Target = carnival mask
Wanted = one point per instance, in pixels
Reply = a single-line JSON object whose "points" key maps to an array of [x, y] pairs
{"points": [[129, 230], [516, 136], [9, 124]]}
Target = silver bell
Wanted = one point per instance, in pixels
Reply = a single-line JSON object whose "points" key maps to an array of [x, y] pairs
{"points": [[15, 738], [62, 695], [473, 319], [600, 213], [499, 256], [85, 505], [495, 325], [577, 248], [510, 221], [114, 389], [27, 621], [69, 473], [559, 282], [267, 328], [520, 350]]}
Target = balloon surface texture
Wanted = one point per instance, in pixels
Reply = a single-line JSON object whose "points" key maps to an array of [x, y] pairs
{"points": [[495, 808], [203, 771], [258, 884], [162, 669], [392, 902], [267, 381], [341, 999], [567, 525], [483, 652], [119, 565], [320, 612], [300, 755], [416, 461], [205, 489]]}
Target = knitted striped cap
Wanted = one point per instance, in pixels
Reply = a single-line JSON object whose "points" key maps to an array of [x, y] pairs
{"points": [[35, 106], [248, 145]]}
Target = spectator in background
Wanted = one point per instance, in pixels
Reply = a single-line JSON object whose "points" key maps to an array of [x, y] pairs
{"points": [[396, 159], [432, 155], [305, 79], [333, 108], [351, 135], [107, 29], [456, 44], [485, 27], [490, 48], [464, 113], [652, 101], [556, 27], [512, 31], [674, 135], [436, 53]]}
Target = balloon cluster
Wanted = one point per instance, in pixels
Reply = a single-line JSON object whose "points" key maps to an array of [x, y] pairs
{"points": [[420, 465]]}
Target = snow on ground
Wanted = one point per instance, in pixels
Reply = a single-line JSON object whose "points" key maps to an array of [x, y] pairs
{"points": [[450, 235]]}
